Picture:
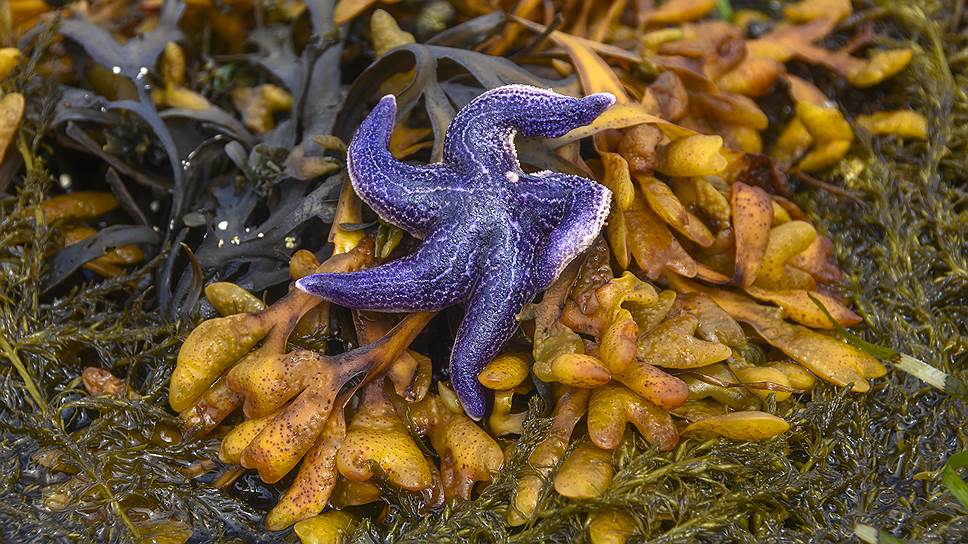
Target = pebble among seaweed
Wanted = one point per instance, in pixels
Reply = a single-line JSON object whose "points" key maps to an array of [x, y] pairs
{"points": [[345, 270]]}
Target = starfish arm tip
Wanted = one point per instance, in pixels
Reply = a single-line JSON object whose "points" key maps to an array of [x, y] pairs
{"points": [[583, 221], [439, 274], [386, 108], [607, 99], [488, 324], [304, 284], [400, 193], [594, 105], [472, 399]]}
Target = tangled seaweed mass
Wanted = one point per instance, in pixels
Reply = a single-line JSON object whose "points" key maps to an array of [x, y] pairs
{"points": [[576, 275]]}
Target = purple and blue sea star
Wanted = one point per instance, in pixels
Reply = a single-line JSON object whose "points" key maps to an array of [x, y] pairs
{"points": [[493, 236]]}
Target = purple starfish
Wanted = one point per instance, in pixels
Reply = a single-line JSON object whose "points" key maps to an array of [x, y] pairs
{"points": [[494, 236]]}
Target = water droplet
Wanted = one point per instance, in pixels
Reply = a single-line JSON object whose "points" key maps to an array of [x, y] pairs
{"points": [[116, 69], [236, 240], [65, 181], [290, 242], [222, 225], [221, 243], [154, 205], [261, 235]]}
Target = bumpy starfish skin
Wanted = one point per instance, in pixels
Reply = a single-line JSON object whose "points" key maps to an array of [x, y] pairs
{"points": [[494, 236]]}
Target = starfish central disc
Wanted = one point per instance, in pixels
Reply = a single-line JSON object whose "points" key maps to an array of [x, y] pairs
{"points": [[493, 235]]}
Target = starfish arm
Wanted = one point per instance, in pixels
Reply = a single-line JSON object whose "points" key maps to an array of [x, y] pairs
{"points": [[407, 196], [505, 287], [582, 219], [439, 274], [480, 139]]}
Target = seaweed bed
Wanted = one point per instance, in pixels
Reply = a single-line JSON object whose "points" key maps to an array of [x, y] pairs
{"points": [[873, 459]]}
